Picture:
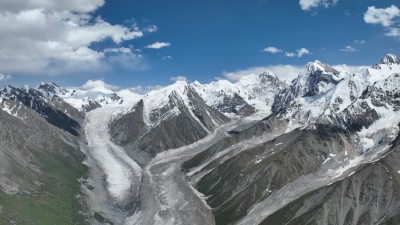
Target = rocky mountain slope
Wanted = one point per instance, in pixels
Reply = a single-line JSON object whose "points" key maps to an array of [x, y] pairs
{"points": [[326, 154], [40, 160]]}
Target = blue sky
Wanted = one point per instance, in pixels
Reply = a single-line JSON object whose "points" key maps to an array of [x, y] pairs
{"points": [[202, 39]]}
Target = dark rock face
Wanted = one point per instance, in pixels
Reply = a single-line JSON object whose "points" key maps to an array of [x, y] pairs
{"points": [[371, 196], [389, 59], [59, 104], [37, 102], [128, 128], [175, 132], [353, 118], [50, 89], [315, 77], [207, 115], [236, 184], [386, 92], [236, 105], [91, 105], [174, 125]]}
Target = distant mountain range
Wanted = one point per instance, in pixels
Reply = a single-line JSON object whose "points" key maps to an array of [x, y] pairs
{"points": [[323, 149]]}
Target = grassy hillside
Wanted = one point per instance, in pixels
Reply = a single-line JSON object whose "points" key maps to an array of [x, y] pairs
{"points": [[54, 201]]}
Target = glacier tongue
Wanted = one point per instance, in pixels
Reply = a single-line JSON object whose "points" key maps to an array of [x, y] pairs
{"points": [[115, 176], [122, 173]]}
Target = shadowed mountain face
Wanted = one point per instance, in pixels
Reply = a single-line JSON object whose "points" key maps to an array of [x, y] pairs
{"points": [[370, 196], [54, 110], [181, 118], [234, 185]]}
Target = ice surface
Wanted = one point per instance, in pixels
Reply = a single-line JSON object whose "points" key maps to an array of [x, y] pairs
{"points": [[122, 173]]}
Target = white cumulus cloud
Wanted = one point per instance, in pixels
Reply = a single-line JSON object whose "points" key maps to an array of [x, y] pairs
{"points": [[299, 53], [359, 42], [290, 54], [179, 78], [348, 48], [393, 32], [272, 50], [350, 68], [145, 89], [302, 51], [311, 4], [97, 85], [55, 37], [78, 6], [4, 77], [284, 72], [118, 50], [386, 17], [151, 29], [102, 86], [158, 45], [166, 57]]}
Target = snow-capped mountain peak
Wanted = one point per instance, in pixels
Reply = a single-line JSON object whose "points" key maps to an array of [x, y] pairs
{"points": [[316, 78], [264, 78], [50, 89], [390, 59], [389, 65], [158, 101], [252, 93], [318, 66], [157, 98]]}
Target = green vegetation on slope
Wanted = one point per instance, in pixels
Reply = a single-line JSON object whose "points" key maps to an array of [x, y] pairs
{"points": [[54, 202]]}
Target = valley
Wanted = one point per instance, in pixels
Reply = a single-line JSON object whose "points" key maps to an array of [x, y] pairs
{"points": [[257, 151]]}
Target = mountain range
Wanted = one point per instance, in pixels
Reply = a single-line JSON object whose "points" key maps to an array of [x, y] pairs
{"points": [[323, 149]]}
